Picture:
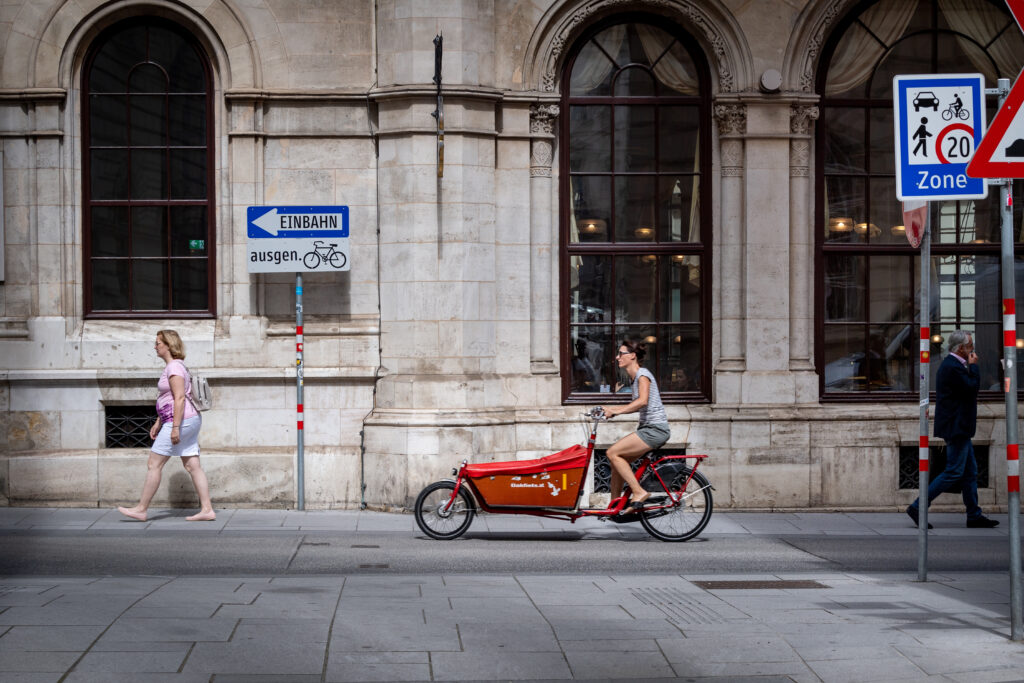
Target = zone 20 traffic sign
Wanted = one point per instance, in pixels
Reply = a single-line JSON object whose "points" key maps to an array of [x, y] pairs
{"points": [[940, 119]]}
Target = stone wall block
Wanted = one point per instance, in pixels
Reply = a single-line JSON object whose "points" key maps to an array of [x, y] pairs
{"points": [[66, 481], [388, 479], [220, 425], [265, 428], [751, 434], [80, 429], [864, 434], [284, 185], [860, 476], [790, 434], [534, 436], [332, 478], [33, 430], [771, 486]]}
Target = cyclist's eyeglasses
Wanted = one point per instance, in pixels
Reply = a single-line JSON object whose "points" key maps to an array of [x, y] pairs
{"points": [[623, 353]]}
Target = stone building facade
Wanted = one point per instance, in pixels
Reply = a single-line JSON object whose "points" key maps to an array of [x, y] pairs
{"points": [[469, 324]]}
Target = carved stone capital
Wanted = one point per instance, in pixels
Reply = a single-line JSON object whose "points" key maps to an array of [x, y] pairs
{"points": [[800, 117], [731, 119], [542, 118], [799, 154]]}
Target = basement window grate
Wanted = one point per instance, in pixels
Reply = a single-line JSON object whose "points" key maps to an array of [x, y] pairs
{"points": [[128, 426], [909, 477]]}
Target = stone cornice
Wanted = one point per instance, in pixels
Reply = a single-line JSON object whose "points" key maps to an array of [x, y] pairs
{"points": [[33, 94]]}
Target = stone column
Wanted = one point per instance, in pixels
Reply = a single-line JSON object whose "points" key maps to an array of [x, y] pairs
{"points": [[542, 125], [801, 237], [732, 125]]}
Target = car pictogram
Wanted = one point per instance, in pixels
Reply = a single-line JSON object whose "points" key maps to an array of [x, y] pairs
{"points": [[926, 98]]}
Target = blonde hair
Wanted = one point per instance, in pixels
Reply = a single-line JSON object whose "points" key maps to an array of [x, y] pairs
{"points": [[174, 343]]}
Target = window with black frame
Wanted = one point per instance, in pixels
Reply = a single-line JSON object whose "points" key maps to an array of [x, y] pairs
{"points": [[147, 174], [868, 275], [635, 257]]}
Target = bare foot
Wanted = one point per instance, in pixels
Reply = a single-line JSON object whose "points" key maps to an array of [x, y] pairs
{"points": [[201, 516], [133, 513]]}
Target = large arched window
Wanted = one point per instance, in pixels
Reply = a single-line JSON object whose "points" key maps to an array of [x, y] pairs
{"points": [[635, 233], [868, 287], [147, 174]]}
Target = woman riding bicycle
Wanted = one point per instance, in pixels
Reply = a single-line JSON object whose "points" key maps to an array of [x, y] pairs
{"points": [[652, 431]]}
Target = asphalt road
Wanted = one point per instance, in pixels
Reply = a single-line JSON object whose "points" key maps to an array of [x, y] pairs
{"points": [[244, 553]]}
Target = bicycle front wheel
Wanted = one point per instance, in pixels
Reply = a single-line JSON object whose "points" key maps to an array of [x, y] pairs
{"points": [[439, 520], [690, 513], [311, 260], [947, 115]]}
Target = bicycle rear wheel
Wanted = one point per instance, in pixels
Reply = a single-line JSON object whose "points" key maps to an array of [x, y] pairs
{"points": [[439, 520], [690, 513]]}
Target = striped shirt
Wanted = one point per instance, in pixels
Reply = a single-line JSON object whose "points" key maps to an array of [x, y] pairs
{"points": [[654, 411]]}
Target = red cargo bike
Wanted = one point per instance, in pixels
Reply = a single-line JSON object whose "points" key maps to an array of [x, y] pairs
{"points": [[552, 486]]}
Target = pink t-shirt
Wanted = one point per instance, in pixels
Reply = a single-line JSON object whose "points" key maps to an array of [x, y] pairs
{"points": [[165, 399]]}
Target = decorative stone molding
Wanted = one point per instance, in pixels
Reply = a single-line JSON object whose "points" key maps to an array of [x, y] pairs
{"points": [[566, 20], [542, 119], [732, 158], [800, 117], [731, 118], [810, 33], [540, 158]]}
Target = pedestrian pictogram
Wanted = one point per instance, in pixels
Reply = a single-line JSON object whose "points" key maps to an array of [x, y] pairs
{"points": [[939, 120]]}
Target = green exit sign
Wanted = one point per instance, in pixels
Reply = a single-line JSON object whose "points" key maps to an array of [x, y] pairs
{"points": [[197, 244]]}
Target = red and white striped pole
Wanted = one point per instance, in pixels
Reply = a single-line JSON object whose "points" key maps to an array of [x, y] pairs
{"points": [[300, 474], [923, 380], [1010, 394]]}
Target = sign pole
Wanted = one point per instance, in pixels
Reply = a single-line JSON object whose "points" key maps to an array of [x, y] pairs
{"points": [[925, 357], [300, 470]]}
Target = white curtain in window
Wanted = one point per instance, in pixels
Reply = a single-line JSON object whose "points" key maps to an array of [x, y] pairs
{"points": [[587, 74], [668, 70], [981, 21], [858, 52]]}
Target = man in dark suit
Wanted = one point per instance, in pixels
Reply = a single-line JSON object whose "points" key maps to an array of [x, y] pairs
{"points": [[956, 417]]}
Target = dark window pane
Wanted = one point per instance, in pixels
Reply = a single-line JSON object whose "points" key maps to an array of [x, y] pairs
{"points": [[678, 128], [844, 357], [149, 231], [189, 230], [149, 174], [988, 344], [634, 209], [634, 82], [149, 284], [590, 289], [892, 357], [980, 280], [178, 58], [109, 284], [147, 77], [115, 59], [681, 296], [892, 289], [107, 119], [980, 222], [882, 142], [844, 140], [648, 334], [590, 139], [679, 348], [109, 231], [886, 214], [108, 174], [844, 288], [188, 120], [636, 286], [675, 71], [190, 284], [911, 55], [844, 208], [679, 219], [634, 139], [149, 120], [590, 204], [592, 359], [188, 174], [591, 72]]}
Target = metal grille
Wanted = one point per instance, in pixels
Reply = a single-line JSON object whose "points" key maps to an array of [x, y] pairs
{"points": [[128, 426], [603, 468], [937, 463], [684, 609]]}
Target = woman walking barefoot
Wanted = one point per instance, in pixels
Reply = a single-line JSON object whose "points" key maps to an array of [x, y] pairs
{"points": [[175, 432]]}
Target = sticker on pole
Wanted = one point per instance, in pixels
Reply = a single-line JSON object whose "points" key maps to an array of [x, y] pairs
{"points": [[939, 122], [915, 214]]}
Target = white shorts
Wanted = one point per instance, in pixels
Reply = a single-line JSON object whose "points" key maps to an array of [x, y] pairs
{"points": [[187, 445]]}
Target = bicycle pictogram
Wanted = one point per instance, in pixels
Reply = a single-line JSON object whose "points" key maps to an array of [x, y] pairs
{"points": [[326, 253]]}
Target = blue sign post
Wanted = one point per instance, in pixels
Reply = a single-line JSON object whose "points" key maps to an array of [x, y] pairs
{"points": [[294, 239], [940, 120]]}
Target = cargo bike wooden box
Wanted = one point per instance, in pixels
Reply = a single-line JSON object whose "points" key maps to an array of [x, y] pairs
{"points": [[552, 486]]}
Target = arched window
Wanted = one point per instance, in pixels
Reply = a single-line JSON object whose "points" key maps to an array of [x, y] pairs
{"points": [[147, 174], [635, 226], [868, 285]]}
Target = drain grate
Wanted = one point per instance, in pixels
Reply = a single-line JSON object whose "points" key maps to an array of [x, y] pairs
{"points": [[684, 609], [756, 585]]}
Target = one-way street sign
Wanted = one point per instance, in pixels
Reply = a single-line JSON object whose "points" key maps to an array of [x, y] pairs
{"points": [[939, 121], [295, 239]]}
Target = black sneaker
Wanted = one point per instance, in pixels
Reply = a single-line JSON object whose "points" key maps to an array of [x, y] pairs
{"points": [[982, 522], [912, 513]]}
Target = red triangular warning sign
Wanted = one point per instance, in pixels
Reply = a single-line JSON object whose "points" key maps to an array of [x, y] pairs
{"points": [[1001, 152]]}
